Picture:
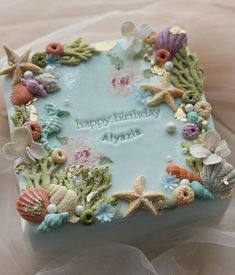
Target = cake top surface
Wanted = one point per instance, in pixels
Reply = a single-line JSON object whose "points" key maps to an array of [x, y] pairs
{"points": [[102, 131]]}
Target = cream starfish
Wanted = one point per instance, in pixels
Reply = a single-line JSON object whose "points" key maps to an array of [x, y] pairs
{"points": [[18, 65], [138, 199], [163, 92]]}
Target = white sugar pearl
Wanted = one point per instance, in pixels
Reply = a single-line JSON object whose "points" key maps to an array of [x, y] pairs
{"points": [[51, 208], [189, 108], [169, 158], [185, 151], [28, 74], [168, 66], [79, 209], [66, 102], [185, 182], [171, 127]]}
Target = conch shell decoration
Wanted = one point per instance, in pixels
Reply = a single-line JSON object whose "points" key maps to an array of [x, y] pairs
{"points": [[65, 200]]}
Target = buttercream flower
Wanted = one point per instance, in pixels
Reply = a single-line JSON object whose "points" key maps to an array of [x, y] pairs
{"points": [[134, 36], [170, 181], [213, 150], [23, 147], [105, 212]]}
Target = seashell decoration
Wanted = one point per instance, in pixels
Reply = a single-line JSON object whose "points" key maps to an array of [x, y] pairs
{"points": [[218, 179], [32, 204], [53, 221], [65, 199], [201, 192], [49, 80], [20, 95], [181, 173], [34, 87], [171, 41]]}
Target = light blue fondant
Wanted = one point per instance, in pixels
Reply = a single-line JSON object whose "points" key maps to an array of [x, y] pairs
{"points": [[87, 89]]}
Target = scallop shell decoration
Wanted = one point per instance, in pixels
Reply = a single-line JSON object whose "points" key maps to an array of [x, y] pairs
{"points": [[49, 79], [20, 95], [219, 179], [32, 204], [65, 199], [171, 39]]}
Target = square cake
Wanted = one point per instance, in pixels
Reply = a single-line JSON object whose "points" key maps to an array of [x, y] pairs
{"points": [[113, 141]]}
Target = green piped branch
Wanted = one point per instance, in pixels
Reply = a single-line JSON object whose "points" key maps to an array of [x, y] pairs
{"points": [[95, 182], [20, 116], [195, 164], [45, 172], [76, 52], [73, 54], [187, 74]]}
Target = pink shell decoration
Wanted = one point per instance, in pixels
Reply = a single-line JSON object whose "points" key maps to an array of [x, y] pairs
{"points": [[20, 95], [171, 42], [32, 204], [34, 128]]}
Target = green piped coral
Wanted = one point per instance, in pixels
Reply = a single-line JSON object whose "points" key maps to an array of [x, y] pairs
{"points": [[76, 52], [194, 163], [187, 74], [20, 116], [39, 59], [95, 182], [45, 172]]}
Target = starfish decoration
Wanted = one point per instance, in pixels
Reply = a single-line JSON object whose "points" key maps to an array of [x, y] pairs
{"points": [[18, 64], [138, 199], [163, 92]]}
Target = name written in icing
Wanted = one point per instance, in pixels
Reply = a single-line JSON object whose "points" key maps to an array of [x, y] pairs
{"points": [[121, 137]]}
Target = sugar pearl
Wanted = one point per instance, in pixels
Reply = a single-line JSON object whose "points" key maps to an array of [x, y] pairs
{"points": [[168, 66], [169, 158], [185, 151], [79, 209], [185, 182], [66, 102], [189, 107], [28, 74], [171, 127], [51, 208]]}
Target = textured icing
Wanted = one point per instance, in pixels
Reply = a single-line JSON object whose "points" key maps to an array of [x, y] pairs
{"points": [[96, 113]]}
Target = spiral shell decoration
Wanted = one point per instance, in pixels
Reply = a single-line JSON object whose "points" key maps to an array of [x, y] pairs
{"points": [[32, 204], [20, 95], [219, 179], [171, 39], [34, 87], [181, 173], [65, 199]]}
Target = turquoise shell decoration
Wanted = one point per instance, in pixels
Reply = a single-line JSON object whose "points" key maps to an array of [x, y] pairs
{"points": [[53, 221], [201, 192]]}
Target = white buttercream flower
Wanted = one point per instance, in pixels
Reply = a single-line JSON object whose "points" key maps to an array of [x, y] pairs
{"points": [[213, 150], [23, 147], [134, 36]]}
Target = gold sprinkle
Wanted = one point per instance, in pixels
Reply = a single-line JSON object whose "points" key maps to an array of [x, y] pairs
{"points": [[177, 30], [158, 70], [180, 114]]}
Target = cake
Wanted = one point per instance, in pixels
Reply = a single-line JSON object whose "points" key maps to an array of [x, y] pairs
{"points": [[113, 141]]}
